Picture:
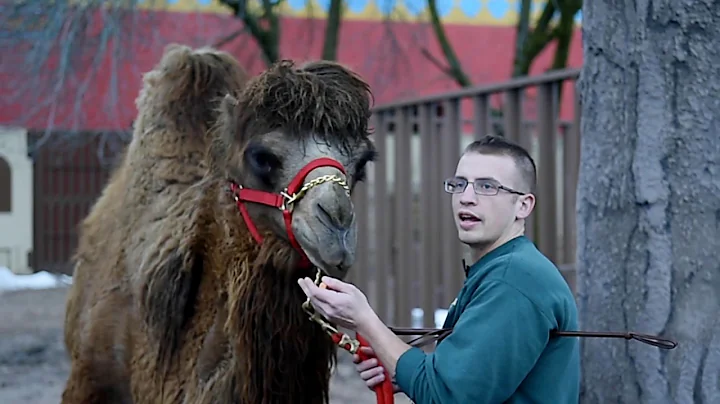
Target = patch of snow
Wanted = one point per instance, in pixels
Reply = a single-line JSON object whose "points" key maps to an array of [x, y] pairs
{"points": [[417, 317], [440, 315], [10, 281]]}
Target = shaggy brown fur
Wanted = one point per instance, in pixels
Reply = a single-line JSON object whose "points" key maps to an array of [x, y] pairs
{"points": [[178, 102], [176, 302]]}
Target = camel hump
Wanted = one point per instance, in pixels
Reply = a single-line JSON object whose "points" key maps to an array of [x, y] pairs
{"points": [[191, 82]]}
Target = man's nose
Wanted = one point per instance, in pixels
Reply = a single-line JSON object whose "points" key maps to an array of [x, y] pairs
{"points": [[468, 196]]}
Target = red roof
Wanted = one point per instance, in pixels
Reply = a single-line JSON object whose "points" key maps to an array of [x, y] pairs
{"points": [[388, 55]]}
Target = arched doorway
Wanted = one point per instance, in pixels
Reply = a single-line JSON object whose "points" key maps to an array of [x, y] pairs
{"points": [[5, 186]]}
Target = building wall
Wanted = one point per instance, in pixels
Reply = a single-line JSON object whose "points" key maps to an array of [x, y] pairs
{"points": [[16, 179], [390, 54]]}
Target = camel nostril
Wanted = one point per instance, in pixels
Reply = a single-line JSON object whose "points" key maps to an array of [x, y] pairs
{"points": [[326, 217]]}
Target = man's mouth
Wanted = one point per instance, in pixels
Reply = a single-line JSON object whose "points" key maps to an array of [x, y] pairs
{"points": [[468, 217]]}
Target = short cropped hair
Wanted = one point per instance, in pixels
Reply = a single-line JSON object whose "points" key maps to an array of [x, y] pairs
{"points": [[499, 146]]}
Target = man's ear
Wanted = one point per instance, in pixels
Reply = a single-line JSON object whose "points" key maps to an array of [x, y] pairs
{"points": [[526, 205]]}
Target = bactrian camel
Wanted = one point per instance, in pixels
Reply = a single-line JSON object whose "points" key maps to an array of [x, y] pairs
{"points": [[185, 286]]}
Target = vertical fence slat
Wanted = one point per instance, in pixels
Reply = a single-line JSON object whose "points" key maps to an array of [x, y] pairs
{"points": [[39, 224], [547, 184], [359, 274], [438, 201], [525, 139], [452, 249], [571, 167], [428, 213], [512, 115], [481, 116], [403, 219], [382, 225]]}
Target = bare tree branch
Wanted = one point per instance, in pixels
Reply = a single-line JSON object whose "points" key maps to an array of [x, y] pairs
{"points": [[435, 61], [56, 52], [264, 26], [389, 60], [454, 67], [522, 31], [564, 32], [548, 29], [229, 38], [332, 30]]}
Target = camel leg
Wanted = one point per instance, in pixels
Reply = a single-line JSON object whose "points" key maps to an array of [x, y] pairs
{"points": [[95, 383], [90, 386], [97, 346]]}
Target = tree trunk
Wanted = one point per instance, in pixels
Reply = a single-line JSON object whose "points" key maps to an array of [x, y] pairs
{"points": [[649, 199]]}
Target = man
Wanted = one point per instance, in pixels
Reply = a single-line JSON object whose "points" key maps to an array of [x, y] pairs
{"points": [[500, 350]]}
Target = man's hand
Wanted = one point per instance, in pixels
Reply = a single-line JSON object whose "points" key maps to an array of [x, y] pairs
{"points": [[369, 370], [340, 302], [345, 305]]}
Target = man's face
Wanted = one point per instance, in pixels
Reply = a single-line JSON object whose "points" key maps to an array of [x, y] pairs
{"points": [[483, 219]]}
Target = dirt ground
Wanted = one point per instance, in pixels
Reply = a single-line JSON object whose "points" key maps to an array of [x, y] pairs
{"points": [[34, 365]]}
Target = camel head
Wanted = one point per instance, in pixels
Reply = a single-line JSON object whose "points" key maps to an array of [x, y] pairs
{"points": [[293, 145]]}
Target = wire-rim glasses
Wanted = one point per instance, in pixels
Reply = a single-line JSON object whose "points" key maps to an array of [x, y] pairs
{"points": [[481, 186]]}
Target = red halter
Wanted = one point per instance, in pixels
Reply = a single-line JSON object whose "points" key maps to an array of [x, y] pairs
{"points": [[285, 199]]}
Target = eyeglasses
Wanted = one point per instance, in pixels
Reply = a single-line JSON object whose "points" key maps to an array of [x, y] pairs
{"points": [[481, 186]]}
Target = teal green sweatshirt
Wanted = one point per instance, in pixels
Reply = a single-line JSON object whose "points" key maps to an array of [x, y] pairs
{"points": [[500, 350]]}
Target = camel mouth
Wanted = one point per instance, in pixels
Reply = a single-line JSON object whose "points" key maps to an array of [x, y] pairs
{"points": [[332, 252], [333, 271]]}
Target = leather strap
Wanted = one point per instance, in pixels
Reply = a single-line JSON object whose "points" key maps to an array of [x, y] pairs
{"points": [[428, 335]]}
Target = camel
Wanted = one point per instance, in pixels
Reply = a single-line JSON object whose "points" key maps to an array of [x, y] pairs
{"points": [[197, 300], [177, 105]]}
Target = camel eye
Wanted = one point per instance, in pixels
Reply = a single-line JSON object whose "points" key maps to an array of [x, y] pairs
{"points": [[262, 161]]}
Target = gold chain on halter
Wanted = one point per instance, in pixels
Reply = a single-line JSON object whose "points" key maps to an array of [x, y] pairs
{"points": [[290, 199], [351, 344]]}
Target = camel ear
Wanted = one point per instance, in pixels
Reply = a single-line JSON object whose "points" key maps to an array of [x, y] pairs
{"points": [[228, 117], [222, 133], [168, 295], [229, 102]]}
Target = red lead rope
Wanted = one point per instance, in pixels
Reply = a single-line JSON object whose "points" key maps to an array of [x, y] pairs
{"points": [[384, 390]]}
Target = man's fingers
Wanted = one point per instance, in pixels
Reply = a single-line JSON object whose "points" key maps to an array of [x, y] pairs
{"points": [[369, 353], [336, 284], [304, 286], [367, 364], [372, 372], [367, 350], [314, 292], [374, 380]]}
